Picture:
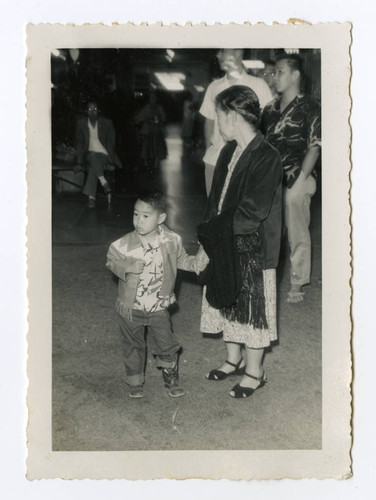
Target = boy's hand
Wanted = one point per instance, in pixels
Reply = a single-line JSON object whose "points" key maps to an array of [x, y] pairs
{"points": [[201, 260], [138, 266], [199, 266]]}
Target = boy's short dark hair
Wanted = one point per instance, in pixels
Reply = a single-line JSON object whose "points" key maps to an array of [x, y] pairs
{"points": [[154, 198]]}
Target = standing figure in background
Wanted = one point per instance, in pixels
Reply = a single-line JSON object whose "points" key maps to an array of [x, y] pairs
{"points": [[153, 144], [292, 124], [230, 61], [268, 75], [188, 120], [95, 145]]}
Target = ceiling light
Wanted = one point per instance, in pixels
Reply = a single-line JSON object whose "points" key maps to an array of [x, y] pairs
{"points": [[58, 53], [171, 81], [251, 64]]}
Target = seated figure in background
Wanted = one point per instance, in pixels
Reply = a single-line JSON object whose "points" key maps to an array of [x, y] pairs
{"points": [[95, 145]]}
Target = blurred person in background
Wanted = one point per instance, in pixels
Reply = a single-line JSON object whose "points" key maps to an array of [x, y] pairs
{"points": [[153, 144], [268, 74], [231, 62]]}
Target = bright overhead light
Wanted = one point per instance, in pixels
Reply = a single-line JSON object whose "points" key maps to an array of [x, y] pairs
{"points": [[292, 51], [251, 64], [171, 53], [171, 81], [75, 54], [58, 53]]}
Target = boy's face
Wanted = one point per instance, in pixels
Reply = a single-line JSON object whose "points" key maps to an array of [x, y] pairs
{"points": [[146, 219]]}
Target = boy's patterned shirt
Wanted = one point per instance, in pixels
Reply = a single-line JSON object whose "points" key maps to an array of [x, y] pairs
{"points": [[292, 132], [150, 282]]}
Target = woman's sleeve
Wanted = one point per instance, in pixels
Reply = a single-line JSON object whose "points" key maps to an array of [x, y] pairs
{"points": [[259, 193]]}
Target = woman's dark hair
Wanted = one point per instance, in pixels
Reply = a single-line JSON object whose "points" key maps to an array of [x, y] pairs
{"points": [[154, 198], [243, 101]]}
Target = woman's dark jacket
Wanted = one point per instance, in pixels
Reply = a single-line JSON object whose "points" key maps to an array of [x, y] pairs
{"points": [[245, 237], [254, 194]]}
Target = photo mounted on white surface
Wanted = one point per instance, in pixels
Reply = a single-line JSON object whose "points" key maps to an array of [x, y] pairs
{"points": [[189, 313]]}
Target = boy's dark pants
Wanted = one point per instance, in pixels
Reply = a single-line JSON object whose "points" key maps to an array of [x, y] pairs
{"points": [[164, 343]]}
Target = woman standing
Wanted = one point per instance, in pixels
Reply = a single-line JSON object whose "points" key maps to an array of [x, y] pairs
{"points": [[241, 236]]}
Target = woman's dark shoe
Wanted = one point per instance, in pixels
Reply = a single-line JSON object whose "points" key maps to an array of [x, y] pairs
{"points": [[239, 391], [221, 375]]}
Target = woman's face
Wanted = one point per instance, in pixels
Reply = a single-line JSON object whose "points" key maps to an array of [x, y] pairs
{"points": [[226, 124]]}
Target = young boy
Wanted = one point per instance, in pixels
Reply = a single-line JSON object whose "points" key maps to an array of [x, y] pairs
{"points": [[146, 262]]}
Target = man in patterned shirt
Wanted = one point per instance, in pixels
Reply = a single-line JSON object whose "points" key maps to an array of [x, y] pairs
{"points": [[292, 124]]}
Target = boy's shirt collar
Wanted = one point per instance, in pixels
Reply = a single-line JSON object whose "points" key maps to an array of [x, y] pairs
{"points": [[135, 240]]}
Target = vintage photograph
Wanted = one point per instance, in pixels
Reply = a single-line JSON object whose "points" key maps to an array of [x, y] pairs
{"points": [[187, 202], [137, 136]]}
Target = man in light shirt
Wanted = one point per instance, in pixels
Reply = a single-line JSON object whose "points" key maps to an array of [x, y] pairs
{"points": [[230, 61], [95, 144]]}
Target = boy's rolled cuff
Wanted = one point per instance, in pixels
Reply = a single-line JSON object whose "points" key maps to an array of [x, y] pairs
{"points": [[137, 379], [167, 363]]}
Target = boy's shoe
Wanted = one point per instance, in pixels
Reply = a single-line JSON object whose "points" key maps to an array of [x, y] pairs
{"points": [[136, 391], [171, 381]]}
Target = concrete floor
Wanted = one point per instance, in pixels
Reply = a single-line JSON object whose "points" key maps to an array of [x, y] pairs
{"points": [[91, 408]]}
